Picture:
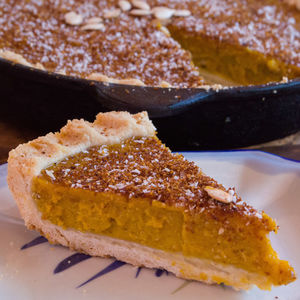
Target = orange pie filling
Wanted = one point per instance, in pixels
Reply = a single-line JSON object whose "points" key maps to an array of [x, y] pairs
{"points": [[140, 192], [232, 62]]}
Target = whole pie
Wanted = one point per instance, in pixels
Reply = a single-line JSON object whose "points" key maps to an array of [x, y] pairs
{"points": [[156, 42], [111, 188]]}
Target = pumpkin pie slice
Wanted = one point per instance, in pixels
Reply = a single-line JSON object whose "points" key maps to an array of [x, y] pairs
{"points": [[111, 188]]}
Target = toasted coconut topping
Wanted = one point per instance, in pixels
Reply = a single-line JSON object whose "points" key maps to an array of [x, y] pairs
{"points": [[221, 231]]}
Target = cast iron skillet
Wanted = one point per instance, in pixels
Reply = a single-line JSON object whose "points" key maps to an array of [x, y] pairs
{"points": [[186, 119]]}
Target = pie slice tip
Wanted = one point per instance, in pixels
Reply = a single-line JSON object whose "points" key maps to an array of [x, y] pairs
{"points": [[111, 188]]}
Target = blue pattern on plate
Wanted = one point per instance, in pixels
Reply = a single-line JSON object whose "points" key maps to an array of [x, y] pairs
{"points": [[159, 272], [76, 258], [34, 242], [138, 272], [70, 261], [111, 267]]}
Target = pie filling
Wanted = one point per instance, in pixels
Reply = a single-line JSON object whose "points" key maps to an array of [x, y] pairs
{"points": [[237, 64], [139, 191]]}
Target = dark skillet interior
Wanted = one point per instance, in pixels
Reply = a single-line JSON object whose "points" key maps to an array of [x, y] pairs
{"points": [[186, 119]]}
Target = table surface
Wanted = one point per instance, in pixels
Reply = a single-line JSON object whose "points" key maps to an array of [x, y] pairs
{"points": [[11, 135]]}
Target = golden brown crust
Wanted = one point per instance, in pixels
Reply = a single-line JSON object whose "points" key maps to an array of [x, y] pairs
{"points": [[103, 78], [19, 59]]}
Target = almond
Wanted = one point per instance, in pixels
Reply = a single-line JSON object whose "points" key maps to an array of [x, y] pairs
{"points": [[94, 20], [218, 194], [93, 26], [162, 13], [114, 13], [182, 13], [72, 18], [124, 5], [140, 4]]}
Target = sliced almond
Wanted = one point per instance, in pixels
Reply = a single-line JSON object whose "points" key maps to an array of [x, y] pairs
{"points": [[61, 72], [124, 5], [93, 26], [39, 66], [94, 20], [140, 12], [295, 3], [114, 13], [50, 174], [140, 4], [165, 84], [100, 77], [218, 194], [182, 13], [165, 30], [130, 81], [162, 12], [104, 78], [72, 18]]}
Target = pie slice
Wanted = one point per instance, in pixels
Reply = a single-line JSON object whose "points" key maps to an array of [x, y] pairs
{"points": [[111, 188]]}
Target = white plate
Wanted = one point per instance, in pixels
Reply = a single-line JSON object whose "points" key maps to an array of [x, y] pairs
{"points": [[265, 181]]}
